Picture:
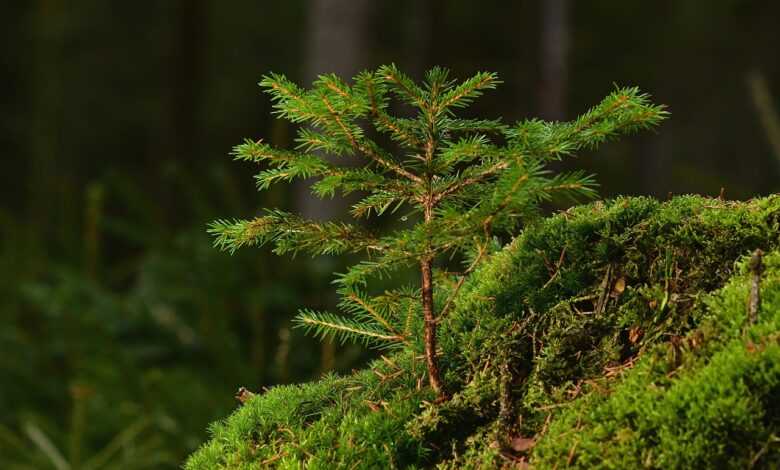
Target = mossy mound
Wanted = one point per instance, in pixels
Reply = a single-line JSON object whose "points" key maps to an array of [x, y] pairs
{"points": [[611, 335]]}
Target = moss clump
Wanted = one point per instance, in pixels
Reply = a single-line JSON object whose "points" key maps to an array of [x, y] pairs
{"points": [[601, 336], [713, 405]]}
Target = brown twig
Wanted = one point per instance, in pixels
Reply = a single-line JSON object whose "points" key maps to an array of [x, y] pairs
{"points": [[273, 459], [570, 458], [243, 395], [754, 302], [773, 439], [557, 269], [506, 413], [604, 291]]}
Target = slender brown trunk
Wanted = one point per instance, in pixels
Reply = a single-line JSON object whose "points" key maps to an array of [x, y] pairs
{"points": [[430, 326], [431, 360]]}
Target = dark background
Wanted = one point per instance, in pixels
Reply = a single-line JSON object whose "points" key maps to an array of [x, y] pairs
{"points": [[124, 333]]}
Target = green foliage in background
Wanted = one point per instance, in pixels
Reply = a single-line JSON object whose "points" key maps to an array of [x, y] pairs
{"points": [[613, 334], [462, 182], [123, 365]]}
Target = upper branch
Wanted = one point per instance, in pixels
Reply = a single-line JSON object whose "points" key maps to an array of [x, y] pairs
{"points": [[365, 149], [471, 180]]}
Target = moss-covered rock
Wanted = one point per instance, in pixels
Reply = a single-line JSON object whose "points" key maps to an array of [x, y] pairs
{"points": [[611, 335]]}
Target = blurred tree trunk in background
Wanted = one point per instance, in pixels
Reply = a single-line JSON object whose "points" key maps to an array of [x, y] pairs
{"points": [[337, 39], [767, 114], [554, 48], [419, 35], [337, 43]]}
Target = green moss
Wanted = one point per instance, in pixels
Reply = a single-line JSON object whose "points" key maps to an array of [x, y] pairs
{"points": [[713, 407], [359, 418], [606, 329]]}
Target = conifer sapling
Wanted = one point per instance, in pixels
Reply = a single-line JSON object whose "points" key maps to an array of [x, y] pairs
{"points": [[458, 183]]}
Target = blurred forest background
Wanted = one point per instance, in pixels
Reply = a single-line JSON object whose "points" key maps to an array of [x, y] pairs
{"points": [[124, 333]]}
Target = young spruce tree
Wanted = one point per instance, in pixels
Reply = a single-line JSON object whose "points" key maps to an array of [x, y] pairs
{"points": [[459, 181]]}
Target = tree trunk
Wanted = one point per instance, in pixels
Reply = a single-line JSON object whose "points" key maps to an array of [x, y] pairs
{"points": [[554, 52], [419, 31], [767, 114], [431, 360], [429, 315]]}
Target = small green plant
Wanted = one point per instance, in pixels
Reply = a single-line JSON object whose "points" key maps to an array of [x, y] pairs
{"points": [[460, 182]]}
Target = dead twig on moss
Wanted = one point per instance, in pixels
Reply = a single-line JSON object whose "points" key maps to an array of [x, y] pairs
{"points": [[557, 269], [618, 370], [273, 459], [773, 439], [756, 266], [570, 457], [243, 395], [506, 412], [601, 305]]}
